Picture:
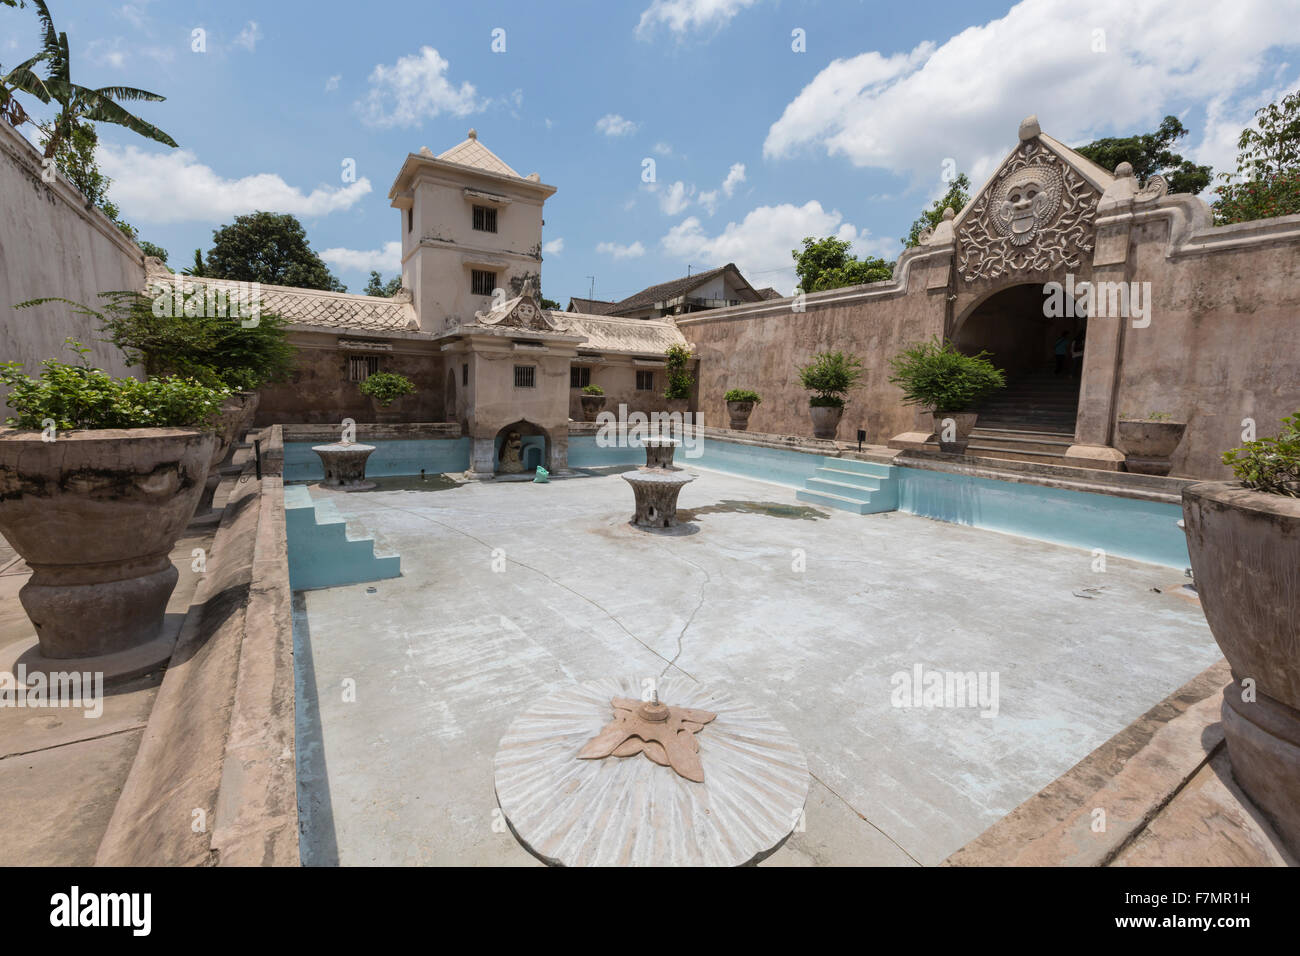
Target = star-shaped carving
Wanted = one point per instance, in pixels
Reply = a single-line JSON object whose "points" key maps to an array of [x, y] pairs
{"points": [[664, 734]]}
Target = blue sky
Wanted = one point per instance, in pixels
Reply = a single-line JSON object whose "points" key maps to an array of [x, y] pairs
{"points": [[755, 144]]}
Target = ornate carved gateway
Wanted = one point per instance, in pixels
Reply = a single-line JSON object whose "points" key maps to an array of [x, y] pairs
{"points": [[1034, 215]]}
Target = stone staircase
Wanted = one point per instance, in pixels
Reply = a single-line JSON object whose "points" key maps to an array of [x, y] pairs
{"points": [[322, 552], [847, 484], [1032, 419]]}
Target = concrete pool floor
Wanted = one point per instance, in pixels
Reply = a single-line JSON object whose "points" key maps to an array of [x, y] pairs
{"points": [[511, 590]]}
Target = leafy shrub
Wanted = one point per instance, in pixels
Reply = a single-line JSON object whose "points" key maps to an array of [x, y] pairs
{"points": [[592, 390], [164, 340], [678, 360], [935, 375], [387, 387], [830, 375], [78, 396], [1270, 464], [742, 395]]}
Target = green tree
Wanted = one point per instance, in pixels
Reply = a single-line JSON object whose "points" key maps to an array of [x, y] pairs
{"points": [[78, 103], [957, 197], [270, 248], [149, 249], [198, 268], [377, 285], [827, 264], [1149, 154], [1267, 181]]}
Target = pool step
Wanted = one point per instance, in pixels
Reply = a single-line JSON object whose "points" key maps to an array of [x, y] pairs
{"points": [[322, 553], [847, 484]]}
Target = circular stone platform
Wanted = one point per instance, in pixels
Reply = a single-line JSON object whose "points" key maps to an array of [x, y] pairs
{"points": [[629, 811]]}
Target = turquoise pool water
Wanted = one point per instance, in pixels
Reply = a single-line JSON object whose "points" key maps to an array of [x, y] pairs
{"points": [[1122, 527]]}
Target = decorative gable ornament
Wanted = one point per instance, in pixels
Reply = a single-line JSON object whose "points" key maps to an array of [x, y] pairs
{"points": [[521, 312], [1035, 215]]}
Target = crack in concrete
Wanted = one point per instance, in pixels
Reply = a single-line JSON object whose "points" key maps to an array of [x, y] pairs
{"points": [[79, 740]]}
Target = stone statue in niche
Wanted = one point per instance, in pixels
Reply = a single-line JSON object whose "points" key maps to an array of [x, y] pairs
{"points": [[1025, 202], [512, 455]]}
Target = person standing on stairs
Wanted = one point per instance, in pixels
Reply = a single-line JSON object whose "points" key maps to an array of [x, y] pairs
{"points": [[1062, 352], [1076, 356]]}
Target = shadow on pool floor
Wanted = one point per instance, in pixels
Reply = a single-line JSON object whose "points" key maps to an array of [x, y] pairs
{"points": [[773, 509]]}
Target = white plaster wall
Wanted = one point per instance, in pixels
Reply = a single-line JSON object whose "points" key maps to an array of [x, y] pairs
{"points": [[51, 245]]}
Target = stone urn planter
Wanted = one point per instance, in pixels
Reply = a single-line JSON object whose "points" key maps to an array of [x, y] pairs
{"points": [[739, 413], [234, 417], [826, 420], [95, 515], [345, 465], [591, 406], [394, 411], [1148, 445], [1245, 551], [962, 424]]}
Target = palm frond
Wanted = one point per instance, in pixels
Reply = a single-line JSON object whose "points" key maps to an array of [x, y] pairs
{"points": [[103, 110], [129, 94]]}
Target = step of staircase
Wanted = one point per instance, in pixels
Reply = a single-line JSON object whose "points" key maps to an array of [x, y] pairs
{"points": [[1021, 440], [323, 552], [847, 484]]}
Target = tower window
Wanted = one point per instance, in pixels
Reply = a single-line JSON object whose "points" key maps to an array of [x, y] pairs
{"points": [[485, 219], [410, 219], [525, 376], [464, 374], [482, 282]]}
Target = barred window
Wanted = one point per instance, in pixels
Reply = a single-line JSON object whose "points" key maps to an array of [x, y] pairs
{"points": [[361, 367], [579, 377], [645, 381], [482, 282], [464, 374], [485, 219], [525, 376]]}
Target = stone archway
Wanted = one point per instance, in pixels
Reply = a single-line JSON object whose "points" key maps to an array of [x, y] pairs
{"points": [[1034, 417], [534, 450]]}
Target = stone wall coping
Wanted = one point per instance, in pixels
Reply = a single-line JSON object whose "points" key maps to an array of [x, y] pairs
{"points": [[370, 431], [220, 737]]}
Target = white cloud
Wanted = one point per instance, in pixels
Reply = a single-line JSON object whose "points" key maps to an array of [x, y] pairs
{"points": [[735, 176], [385, 260], [611, 124], [248, 37], [663, 149], [175, 187], [909, 111], [332, 83], [414, 89], [634, 251], [709, 200], [117, 52], [675, 198], [761, 243], [683, 16], [554, 247]]}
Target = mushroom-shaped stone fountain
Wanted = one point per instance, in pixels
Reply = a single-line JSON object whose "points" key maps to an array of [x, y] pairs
{"points": [[345, 465]]}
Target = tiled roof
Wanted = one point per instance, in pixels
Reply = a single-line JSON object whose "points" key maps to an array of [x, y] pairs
{"points": [[665, 291], [767, 292], [474, 154], [591, 306], [606, 333], [330, 310]]}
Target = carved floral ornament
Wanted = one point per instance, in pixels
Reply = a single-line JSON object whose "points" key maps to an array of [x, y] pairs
{"points": [[1036, 215]]}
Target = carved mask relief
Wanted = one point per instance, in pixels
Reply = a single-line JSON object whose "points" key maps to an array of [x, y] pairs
{"points": [[1035, 216]]}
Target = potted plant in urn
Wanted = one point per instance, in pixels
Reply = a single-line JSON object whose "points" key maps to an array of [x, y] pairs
{"points": [[677, 370], [829, 376], [936, 376], [1148, 443], [740, 405], [1243, 537], [593, 400], [384, 389], [98, 478]]}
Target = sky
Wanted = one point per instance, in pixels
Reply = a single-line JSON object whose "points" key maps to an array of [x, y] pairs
{"points": [[680, 134]]}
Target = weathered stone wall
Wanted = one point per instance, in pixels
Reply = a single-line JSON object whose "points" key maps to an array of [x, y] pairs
{"points": [[319, 391], [51, 244], [759, 346], [617, 376], [1224, 340]]}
